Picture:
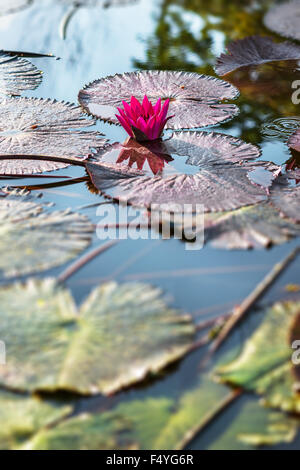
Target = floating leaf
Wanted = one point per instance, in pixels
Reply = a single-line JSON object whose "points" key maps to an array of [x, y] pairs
{"points": [[31, 126], [294, 141], [153, 423], [219, 162], [34, 240], [160, 423], [284, 19], [21, 417], [194, 99], [121, 334], [11, 6], [17, 75], [287, 201], [258, 226], [265, 364], [255, 50], [254, 426]]}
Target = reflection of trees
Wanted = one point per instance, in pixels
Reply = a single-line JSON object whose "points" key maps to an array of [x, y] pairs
{"points": [[189, 34]]}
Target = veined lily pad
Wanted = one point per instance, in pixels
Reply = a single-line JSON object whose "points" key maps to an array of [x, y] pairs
{"points": [[220, 164], [31, 126], [255, 50], [287, 201], [294, 141], [256, 226], [163, 422], [265, 364], [121, 334], [254, 426], [284, 19], [17, 75], [11, 6], [153, 423], [22, 416], [33, 239], [194, 99]]}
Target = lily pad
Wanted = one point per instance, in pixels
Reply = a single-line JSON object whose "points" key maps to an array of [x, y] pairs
{"points": [[22, 416], [284, 19], [194, 99], [160, 423], [31, 126], [34, 239], [255, 50], [11, 6], [17, 75], [254, 426], [287, 201], [265, 363], [121, 334], [258, 226], [220, 164], [153, 423], [294, 141]]}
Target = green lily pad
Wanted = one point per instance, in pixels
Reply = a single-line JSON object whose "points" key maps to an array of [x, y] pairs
{"points": [[34, 239], [153, 423], [22, 416], [254, 426], [265, 365], [121, 334], [160, 423]]}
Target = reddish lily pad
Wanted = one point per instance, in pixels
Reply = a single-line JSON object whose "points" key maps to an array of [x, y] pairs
{"points": [[17, 75], [294, 141], [218, 178], [194, 99], [11, 6], [284, 19], [31, 126], [287, 201], [255, 50], [258, 226]]}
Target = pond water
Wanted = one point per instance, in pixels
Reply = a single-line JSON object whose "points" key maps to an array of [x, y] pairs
{"points": [[168, 35]]}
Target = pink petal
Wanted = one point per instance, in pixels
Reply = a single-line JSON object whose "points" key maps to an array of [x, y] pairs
{"points": [[147, 106], [164, 111], [136, 106], [127, 109], [125, 125], [157, 107]]}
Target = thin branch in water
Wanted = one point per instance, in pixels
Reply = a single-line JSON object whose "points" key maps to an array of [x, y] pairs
{"points": [[208, 419], [32, 175], [47, 158], [240, 311], [32, 55], [85, 259], [53, 185]]}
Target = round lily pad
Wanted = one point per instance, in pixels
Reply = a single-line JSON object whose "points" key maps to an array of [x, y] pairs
{"points": [[194, 99], [284, 19], [215, 169], [34, 239], [120, 335], [31, 126], [17, 75]]}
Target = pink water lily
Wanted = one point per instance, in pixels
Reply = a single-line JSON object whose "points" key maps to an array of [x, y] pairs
{"points": [[143, 121]]}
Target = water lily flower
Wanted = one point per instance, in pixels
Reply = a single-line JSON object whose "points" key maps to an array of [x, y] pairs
{"points": [[143, 121]]}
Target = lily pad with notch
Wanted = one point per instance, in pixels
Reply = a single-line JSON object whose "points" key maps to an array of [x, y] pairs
{"points": [[211, 171], [34, 239], [255, 50], [194, 99], [32, 126], [17, 75], [120, 335]]}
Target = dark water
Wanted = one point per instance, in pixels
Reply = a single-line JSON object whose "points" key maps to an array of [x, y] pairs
{"points": [[175, 35]]}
